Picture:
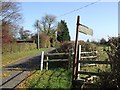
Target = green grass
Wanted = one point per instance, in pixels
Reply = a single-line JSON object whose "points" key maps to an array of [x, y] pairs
{"points": [[10, 58], [101, 53], [57, 78], [96, 68]]}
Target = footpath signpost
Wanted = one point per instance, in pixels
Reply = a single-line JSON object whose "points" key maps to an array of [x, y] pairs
{"points": [[83, 29]]}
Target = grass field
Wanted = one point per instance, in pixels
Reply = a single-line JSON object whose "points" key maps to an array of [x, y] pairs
{"points": [[101, 53], [96, 68], [10, 58], [53, 79]]}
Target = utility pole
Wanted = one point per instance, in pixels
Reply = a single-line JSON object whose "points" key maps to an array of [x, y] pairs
{"points": [[38, 38], [38, 33]]}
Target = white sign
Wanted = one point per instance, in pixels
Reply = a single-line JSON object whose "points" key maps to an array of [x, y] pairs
{"points": [[86, 30]]}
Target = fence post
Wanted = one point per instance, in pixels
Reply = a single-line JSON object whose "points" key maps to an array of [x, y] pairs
{"points": [[96, 54], [47, 63], [42, 58], [70, 59], [79, 60]]}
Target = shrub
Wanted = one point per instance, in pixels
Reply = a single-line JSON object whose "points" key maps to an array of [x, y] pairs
{"points": [[112, 80], [17, 47], [64, 47], [88, 47], [44, 40]]}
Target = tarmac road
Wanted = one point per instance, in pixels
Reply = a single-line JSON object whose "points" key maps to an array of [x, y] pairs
{"points": [[19, 70]]}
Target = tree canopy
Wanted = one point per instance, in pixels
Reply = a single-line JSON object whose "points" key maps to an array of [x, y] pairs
{"points": [[10, 12], [24, 34], [103, 41], [62, 32], [46, 25]]}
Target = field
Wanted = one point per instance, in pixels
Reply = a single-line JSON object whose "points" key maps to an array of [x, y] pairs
{"points": [[101, 53]]}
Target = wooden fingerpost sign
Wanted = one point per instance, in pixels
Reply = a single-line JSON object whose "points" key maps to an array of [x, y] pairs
{"points": [[83, 29], [75, 62]]}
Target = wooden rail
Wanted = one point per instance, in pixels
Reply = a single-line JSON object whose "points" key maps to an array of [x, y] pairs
{"points": [[47, 60], [89, 52], [52, 54], [90, 73], [56, 60], [80, 56], [96, 62], [88, 57], [55, 54]]}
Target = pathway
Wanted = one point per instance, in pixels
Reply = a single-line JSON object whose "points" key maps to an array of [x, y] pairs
{"points": [[17, 72]]}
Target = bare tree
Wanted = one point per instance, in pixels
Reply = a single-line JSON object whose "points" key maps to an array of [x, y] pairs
{"points": [[24, 34], [46, 26], [48, 22], [38, 26], [10, 12], [10, 18]]}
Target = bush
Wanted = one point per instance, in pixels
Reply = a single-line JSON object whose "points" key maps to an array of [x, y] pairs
{"points": [[17, 47], [44, 40], [112, 79], [88, 47], [66, 46]]}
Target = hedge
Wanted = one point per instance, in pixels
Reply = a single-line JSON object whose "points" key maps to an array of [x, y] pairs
{"points": [[65, 46], [17, 47]]}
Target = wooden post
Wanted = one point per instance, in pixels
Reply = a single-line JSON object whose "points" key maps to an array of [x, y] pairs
{"points": [[75, 62], [47, 64], [96, 53], [42, 58], [79, 60], [70, 59], [38, 24], [38, 38]]}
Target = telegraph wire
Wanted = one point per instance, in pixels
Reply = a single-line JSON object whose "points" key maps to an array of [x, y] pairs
{"points": [[79, 8]]}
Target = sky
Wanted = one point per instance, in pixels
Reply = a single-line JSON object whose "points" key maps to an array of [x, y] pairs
{"points": [[119, 18], [102, 17]]}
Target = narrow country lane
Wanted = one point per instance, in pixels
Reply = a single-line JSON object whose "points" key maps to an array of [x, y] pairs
{"points": [[17, 72]]}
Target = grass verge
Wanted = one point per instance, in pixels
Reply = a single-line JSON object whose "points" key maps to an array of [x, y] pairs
{"points": [[96, 68], [102, 54], [49, 79], [10, 58]]}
